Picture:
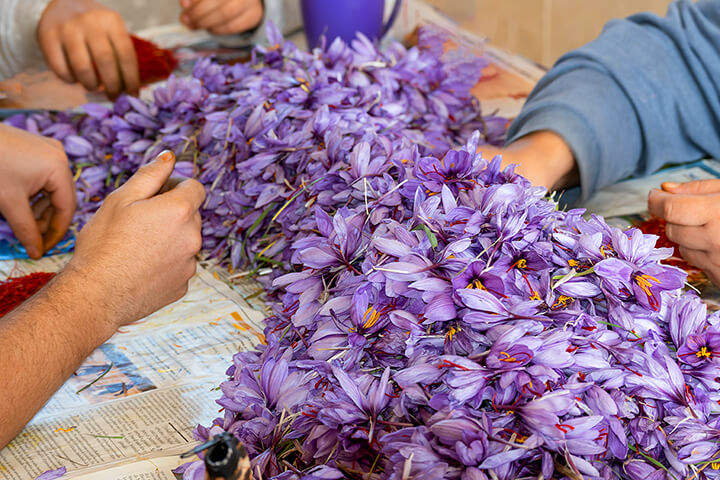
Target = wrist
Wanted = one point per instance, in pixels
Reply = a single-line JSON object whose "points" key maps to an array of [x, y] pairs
{"points": [[549, 154], [84, 297]]}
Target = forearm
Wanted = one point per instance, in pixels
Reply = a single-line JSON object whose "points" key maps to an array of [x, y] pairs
{"points": [[643, 94], [42, 343]]}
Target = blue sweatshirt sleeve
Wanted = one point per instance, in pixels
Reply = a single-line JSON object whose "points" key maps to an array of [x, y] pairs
{"points": [[643, 94]]}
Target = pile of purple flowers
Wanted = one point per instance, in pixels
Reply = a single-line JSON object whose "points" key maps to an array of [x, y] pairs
{"points": [[276, 132], [471, 330], [435, 316]]}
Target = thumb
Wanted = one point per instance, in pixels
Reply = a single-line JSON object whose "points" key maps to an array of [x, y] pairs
{"points": [[695, 187], [149, 179]]}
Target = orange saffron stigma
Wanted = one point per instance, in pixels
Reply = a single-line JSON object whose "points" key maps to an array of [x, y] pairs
{"points": [[520, 265], [507, 358], [562, 301]]}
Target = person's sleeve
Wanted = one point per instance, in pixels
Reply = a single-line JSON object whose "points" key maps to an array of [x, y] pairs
{"points": [[643, 94], [19, 47]]}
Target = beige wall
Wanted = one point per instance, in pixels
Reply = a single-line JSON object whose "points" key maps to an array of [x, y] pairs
{"points": [[542, 30]]}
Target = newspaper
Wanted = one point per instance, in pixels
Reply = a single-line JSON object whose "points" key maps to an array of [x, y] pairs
{"points": [[158, 379]]}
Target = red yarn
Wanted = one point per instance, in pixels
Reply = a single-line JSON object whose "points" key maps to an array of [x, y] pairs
{"points": [[155, 63], [14, 291]]}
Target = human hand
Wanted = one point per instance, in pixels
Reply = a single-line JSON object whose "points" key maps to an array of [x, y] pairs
{"points": [[222, 17], [692, 213], [31, 164], [542, 157], [85, 41], [137, 253]]}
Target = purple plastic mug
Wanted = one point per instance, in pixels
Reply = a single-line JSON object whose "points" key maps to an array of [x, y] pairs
{"points": [[344, 18]]}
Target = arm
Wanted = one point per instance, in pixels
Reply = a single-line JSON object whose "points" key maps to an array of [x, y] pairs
{"points": [[19, 47], [645, 93], [133, 257]]}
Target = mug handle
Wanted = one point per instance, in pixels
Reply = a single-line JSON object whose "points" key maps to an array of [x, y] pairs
{"points": [[391, 19]]}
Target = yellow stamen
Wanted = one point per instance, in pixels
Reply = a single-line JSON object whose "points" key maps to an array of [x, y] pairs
{"points": [[703, 352], [715, 465], [283, 208], [522, 263], [535, 296], [266, 248], [645, 282], [451, 333], [370, 318], [77, 174], [476, 284], [573, 263]]}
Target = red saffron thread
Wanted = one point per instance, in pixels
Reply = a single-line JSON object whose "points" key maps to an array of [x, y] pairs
{"points": [[155, 63], [16, 290]]}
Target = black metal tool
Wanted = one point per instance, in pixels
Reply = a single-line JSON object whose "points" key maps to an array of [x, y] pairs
{"points": [[225, 458]]}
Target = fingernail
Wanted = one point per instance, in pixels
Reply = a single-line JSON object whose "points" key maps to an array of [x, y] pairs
{"points": [[166, 156], [671, 185], [185, 3], [184, 19], [33, 252]]}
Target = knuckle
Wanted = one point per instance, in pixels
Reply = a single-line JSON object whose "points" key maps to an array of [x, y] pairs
{"points": [[57, 145], [670, 232], [228, 8], [184, 210], [199, 188], [194, 242], [68, 31], [113, 198], [668, 210], [105, 58], [6, 197]]}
